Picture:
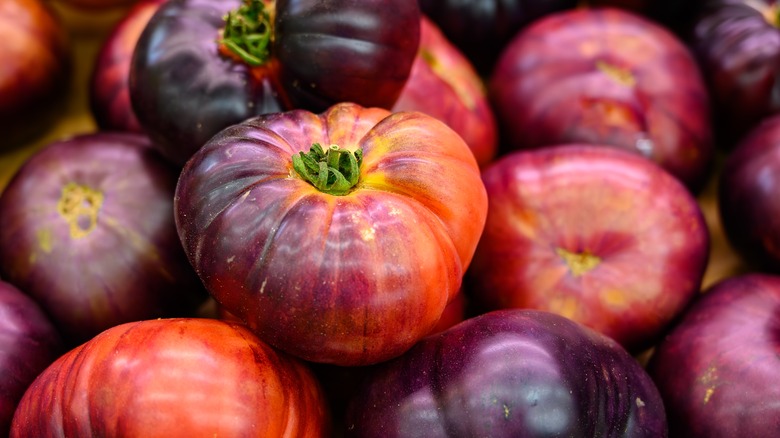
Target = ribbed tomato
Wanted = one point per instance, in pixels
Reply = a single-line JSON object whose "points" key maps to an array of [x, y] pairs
{"points": [[355, 271], [182, 377]]}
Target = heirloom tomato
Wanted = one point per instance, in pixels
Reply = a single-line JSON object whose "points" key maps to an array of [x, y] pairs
{"points": [[339, 237], [510, 373], [182, 377], [203, 65], [87, 229]]}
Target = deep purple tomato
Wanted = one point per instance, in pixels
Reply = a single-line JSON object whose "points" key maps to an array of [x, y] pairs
{"points": [[87, 229], [748, 205], [28, 344], [109, 86], [481, 29], [339, 237], [606, 76], [737, 43], [197, 69], [510, 373], [718, 369]]}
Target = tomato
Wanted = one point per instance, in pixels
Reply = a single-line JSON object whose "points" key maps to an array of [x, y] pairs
{"points": [[203, 65], [337, 274], [509, 373], [87, 229], [180, 377]]}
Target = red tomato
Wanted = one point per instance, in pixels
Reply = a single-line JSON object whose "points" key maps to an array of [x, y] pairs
{"points": [[349, 278], [174, 378]]}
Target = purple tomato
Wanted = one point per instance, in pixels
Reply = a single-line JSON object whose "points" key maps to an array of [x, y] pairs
{"points": [[718, 369], [87, 229], [511, 373]]}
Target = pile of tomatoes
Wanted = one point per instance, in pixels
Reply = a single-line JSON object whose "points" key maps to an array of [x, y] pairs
{"points": [[375, 218]]}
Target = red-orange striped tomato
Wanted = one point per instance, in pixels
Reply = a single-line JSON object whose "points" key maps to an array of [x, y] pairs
{"points": [[182, 377], [347, 275]]}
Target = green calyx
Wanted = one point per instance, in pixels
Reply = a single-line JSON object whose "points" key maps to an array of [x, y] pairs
{"points": [[333, 170], [247, 32]]}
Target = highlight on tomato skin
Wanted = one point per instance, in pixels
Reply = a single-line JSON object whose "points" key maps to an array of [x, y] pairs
{"points": [[180, 377], [340, 275]]}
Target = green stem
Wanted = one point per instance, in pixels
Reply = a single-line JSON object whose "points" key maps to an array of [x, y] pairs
{"points": [[334, 170], [247, 33]]}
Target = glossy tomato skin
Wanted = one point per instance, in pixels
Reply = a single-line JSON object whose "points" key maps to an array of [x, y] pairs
{"points": [[717, 368], [349, 280], [87, 229], [509, 373], [737, 43], [28, 344], [184, 90], [444, 84], [606, 76], [109, 86], [36, 67], [174, 378]]}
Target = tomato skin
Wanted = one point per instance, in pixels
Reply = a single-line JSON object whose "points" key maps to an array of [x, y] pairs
{"points": [[348, 280], [180, 377]]}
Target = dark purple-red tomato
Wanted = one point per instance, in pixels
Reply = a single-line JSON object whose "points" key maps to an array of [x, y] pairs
{"points": [[737, 43], [29, 342], [481, 29], [87, 229], [510, 373], [605, 76], [109, 86], [191, 75], [748, 204], [717, 369]]}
